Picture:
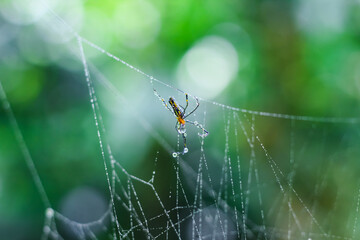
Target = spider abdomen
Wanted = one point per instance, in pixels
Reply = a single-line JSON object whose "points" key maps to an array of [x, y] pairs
{"points": [[177, 111]]}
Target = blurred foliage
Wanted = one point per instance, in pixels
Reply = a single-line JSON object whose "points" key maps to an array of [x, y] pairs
{"points": [[297, 57]]}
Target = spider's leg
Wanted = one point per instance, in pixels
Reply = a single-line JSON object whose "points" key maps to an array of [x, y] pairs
{"points": [[187, 102], [198, 125], [185, 148], [177, 126], [183, 134], [163, 101], [197, 105]]}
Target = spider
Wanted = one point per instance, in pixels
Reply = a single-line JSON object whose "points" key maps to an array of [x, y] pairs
{"points": [[180, 115]]}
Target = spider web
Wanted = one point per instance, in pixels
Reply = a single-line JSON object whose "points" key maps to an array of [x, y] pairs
{"points": [[232, 185]]}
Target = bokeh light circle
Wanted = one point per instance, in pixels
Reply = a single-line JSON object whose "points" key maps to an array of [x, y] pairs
{"points": [[208, 67]]}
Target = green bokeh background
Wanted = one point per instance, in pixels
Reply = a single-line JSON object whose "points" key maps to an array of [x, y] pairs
{"points": [[302, 58]]}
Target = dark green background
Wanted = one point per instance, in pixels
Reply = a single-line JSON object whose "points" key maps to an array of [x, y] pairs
{"points": [[303, 58]]}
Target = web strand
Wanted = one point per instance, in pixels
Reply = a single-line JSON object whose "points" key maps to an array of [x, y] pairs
{"points": [[23, 147], [229, 196], [350, 120]]}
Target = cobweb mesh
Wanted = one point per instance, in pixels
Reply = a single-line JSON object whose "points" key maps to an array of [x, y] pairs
{"points": [[244, 182]]}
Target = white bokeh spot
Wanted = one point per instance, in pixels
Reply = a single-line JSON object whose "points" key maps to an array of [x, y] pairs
{"points": [[208, 67], [318, 15]]}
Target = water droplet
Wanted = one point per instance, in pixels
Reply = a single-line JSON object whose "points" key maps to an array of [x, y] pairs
{"points": [[182, 129], [196, 123], [185, 134], [202, 135], [49, 213], [47, 230], [186, 150], [174, 154]]}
